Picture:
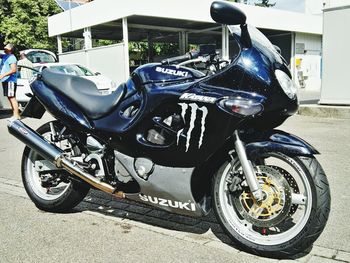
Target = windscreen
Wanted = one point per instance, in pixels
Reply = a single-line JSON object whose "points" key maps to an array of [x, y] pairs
{"points": [[40, 57], [75, 70], [259, 40]]}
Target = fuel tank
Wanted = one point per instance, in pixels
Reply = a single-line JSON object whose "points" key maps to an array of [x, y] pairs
{"points": [[158, 73]]}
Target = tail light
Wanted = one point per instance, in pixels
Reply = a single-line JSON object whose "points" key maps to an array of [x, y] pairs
{"points": [[241, 106]]}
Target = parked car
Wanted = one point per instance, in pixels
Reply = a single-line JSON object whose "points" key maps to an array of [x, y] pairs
{"points": [[40, 56], [103, 84]]}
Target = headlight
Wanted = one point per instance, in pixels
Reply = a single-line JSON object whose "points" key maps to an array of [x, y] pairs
{"points": [[286, 83]]}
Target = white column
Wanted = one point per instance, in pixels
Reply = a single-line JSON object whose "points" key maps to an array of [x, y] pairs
{"points": [[292, 58], [126, 47], [225, 43], [87, 38], [59, 45], [183, 42]]}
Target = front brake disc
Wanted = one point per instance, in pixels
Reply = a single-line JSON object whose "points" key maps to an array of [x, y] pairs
{"points": [[276, 203]]}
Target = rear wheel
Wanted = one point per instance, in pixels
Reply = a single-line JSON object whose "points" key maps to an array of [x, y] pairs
{"points": [[292, 214], [54, 191]]}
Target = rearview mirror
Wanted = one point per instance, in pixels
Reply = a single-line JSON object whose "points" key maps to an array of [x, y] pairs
{"points": [[227, 14]]}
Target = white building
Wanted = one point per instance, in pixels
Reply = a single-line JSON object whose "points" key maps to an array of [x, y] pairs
{"points": [[298, 35], [336, 56], [315, 7]]}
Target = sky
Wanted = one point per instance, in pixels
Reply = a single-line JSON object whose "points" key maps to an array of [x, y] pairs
{"points": [[291, 5]]}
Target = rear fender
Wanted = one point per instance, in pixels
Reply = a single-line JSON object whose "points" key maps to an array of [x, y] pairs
{"points": [[33, 109], [278, 141]]}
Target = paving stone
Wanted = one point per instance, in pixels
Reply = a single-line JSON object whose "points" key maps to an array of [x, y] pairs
{"points": [[344, 256], [302, 257], [163, 223], [242, 255], [117, 205], [119, 213], [215, 227], [96, 200], [222, 246], [138, 209], [185, 220], [226, 239], [15, 183], [197, 238], [323, 252], [3, 180], [316, 259], [159, 214]]}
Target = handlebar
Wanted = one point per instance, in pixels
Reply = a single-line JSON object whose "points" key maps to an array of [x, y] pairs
{"points": [[187, 56]]}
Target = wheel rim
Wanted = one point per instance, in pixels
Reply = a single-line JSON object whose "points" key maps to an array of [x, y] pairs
{"points": [[34, 180], [279, 234]]}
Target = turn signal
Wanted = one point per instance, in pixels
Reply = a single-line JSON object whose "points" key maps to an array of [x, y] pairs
{"points": [[241, 106]]}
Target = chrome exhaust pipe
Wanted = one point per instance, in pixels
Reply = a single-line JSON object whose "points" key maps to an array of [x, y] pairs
{"points": [[55, 155]]}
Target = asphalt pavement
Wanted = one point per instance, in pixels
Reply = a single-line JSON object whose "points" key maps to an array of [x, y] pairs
{"points": [[105, 229]]}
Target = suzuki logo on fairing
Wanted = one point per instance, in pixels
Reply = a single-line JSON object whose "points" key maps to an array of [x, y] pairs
{"points": [[172, 72], [195, 97], [194, 108], [169, 203]]}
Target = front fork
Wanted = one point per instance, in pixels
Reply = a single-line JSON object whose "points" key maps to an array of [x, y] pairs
{"points": [[247, 168]]}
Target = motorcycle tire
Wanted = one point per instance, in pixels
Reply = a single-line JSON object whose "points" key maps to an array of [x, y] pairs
{"points": [[299, 241], [73, 193]]}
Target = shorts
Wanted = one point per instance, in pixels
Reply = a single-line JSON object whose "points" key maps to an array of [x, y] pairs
{"points": [[10, 89]]}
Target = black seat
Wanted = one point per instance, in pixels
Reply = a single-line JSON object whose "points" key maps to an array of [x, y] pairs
{"points": [[84, 93]]}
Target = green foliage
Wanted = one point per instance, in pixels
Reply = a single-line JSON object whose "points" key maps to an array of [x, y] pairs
{"points": [[139, 50], [24, 23], [265, 3], [103, 42]]}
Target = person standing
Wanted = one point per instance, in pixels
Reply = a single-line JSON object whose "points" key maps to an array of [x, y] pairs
{"points": [[25, 66], [8, 77]]}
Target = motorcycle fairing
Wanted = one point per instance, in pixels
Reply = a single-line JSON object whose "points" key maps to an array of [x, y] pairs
{"points": [[158, 73], [168, 188], [205, 125], [278, 141]]}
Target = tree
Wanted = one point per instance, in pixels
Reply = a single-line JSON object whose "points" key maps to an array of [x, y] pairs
{"points": [[265, 3], [24, 23]]}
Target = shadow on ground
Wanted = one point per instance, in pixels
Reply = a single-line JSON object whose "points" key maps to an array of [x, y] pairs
{"points": [[4, 114], [125, 209]]}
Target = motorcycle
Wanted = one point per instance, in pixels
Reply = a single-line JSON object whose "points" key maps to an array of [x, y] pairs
{"points": [[186, 142]]}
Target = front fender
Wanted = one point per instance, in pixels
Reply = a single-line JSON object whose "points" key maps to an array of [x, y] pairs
{"points": [[277, 141]]}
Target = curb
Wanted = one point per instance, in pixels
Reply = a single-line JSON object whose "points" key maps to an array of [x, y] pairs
{"points": [[340, 112]]}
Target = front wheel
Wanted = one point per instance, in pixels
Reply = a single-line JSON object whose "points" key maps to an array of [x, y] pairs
{"points": [[292, 214]]}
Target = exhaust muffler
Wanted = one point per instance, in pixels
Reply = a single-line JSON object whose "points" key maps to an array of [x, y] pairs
{"points": [[55, 155]]}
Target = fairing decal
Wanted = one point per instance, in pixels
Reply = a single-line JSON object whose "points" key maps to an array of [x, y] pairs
{"points": [[194, 109]]}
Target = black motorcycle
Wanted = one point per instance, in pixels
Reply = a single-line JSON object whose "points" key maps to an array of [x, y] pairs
{"points": [[183, 141]]}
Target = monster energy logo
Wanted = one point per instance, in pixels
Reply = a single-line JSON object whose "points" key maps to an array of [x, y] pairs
{"points": [[194, 109]]}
